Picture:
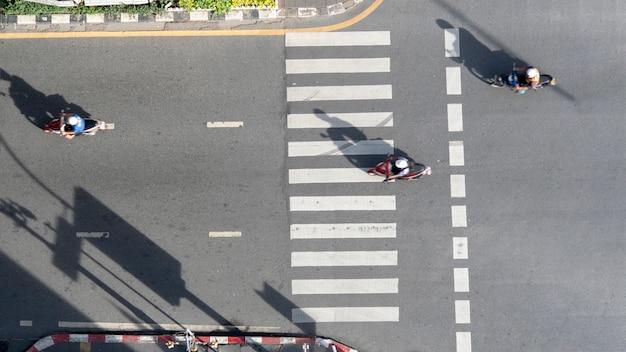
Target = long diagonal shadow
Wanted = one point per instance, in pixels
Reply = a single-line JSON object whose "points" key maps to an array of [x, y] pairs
{"points": [[137, 254]]}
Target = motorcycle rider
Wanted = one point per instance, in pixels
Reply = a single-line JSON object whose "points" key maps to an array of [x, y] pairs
{"points": [[530, 75], [72, 125], [399, 166]]}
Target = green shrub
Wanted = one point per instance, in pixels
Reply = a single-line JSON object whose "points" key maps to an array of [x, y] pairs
{"points": [[22, 7]]}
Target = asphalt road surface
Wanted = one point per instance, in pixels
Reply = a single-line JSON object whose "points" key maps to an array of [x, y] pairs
{"points": [[516, 242]]}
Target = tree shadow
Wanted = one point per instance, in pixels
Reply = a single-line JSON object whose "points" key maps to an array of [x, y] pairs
{"points": [[352, 142], [479, 60], [37, 107]]}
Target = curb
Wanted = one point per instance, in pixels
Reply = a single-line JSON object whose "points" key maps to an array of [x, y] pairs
{"points": [[178, 339], [181, 15]]}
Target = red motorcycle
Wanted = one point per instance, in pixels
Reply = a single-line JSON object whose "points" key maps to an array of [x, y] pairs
{"points": [[385, 168], [91, 126]]}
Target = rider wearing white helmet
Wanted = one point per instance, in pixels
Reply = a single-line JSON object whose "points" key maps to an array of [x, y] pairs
{"points": [[72, 125], [531, 77], [399, 167]]}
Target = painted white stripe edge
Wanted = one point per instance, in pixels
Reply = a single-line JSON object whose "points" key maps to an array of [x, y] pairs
{"points": [[344, 314]]}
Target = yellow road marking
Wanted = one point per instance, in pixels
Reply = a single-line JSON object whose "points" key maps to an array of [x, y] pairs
{"points": [[192, 33]]}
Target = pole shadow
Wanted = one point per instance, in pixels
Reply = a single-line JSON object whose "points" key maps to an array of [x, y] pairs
{"points": [[35, 106]]}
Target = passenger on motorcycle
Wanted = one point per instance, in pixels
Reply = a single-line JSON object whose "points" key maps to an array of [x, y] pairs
{"points": [[72, 124], [399, 167], [530, 77]]}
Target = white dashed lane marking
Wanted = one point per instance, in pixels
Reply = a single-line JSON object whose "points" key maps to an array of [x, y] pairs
{"points": [[455, 117], [457, 186], [462, 311], [461, 280], [459, 216], [453, 80], [457, 153], [451, 42], [459, 244]]}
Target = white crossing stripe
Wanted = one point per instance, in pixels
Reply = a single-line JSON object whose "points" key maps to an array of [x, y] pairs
{"points": [[338, 175], [344, 314], [455, 117], [318, 148], [463, 341], [344, 258], [453, 80], [452, 43], [457, 153], [462, 311], [369, 38], [338, 203], [348, 230], [343, 286], [459, 245], [340, 120], [356, 92], [457, 186], [459, 216], [359, 65], [461, 280]]}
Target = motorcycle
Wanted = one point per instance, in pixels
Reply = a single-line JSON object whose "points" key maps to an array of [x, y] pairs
{"points": [[510, 81], [91, 126], [384, 169]]}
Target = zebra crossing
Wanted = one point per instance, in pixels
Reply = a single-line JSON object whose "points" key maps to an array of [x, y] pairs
{"points": [[308, 113]]}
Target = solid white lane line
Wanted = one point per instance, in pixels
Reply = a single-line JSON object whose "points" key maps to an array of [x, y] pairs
{"points": [[457, 153], [344, 314], [339, 175], [319, 148], [453, 80], [461, 280], [360, 65], [343, 286], [225, 234], [322, 93], [455, 117], [460, 250], [462, 311], [339, 120], [463, 341], [355, 230], [452, 43], [457, 186], [369, 38], [459, 216], [344, 258], [224, 124], [338, 203], [92, 234]]}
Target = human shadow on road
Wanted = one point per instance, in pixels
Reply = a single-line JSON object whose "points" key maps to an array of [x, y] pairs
{"points": [[349, 141], [481, 61], [37, 107]]}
